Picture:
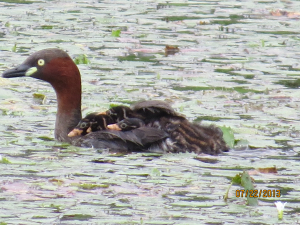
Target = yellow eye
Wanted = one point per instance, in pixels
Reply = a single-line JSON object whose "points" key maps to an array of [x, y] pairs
{"points": [[41, 62]]}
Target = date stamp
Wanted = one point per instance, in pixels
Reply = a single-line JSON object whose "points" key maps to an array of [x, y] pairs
{"points": [[264, 193]]}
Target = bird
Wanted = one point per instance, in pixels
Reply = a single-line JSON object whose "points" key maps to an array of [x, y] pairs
{"points": [[120, 112], [91, 123], [97, 121], [165, 130], [127, 124]]}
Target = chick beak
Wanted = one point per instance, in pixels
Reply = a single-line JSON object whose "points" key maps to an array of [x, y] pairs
{"points": [[113, 127], [75, 132]]}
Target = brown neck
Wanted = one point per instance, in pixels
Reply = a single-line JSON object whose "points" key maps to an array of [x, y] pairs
{"points": [[68, 113], [68, 92]]}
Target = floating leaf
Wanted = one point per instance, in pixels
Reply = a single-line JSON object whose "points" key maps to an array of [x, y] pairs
{"points": [[246, 182], [58, 182], [56, 208], [171, 50], [4, 160], [268, 170], [103, 161], [92, 186], [228, 136], [155, 172], [290, 83], [132, 57], [207, 159], [113, 105], [237, 179], [39, 98], [45, 138], [48, 27], [14, 49], [116, 33], [81, 59]]}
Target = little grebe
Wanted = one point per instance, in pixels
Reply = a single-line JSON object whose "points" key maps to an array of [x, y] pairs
{"points": [[164, 129], [99, 121], [120, 112], [91, 123], [127, 124]]}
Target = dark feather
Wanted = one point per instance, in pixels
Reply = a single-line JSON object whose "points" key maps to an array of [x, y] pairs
{"points": [[137, 139]]}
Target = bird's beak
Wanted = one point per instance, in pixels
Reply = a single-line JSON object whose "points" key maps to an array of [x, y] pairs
{"points": [[19, 71]]}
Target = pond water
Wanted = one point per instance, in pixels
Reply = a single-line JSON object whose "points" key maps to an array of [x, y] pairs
{"points": [[237, 66]]}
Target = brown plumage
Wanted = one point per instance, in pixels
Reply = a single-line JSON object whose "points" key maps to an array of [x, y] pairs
{"points": [[121, 112]]}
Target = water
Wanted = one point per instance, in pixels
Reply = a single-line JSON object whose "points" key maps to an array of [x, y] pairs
{"points": [[237, 66]]}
